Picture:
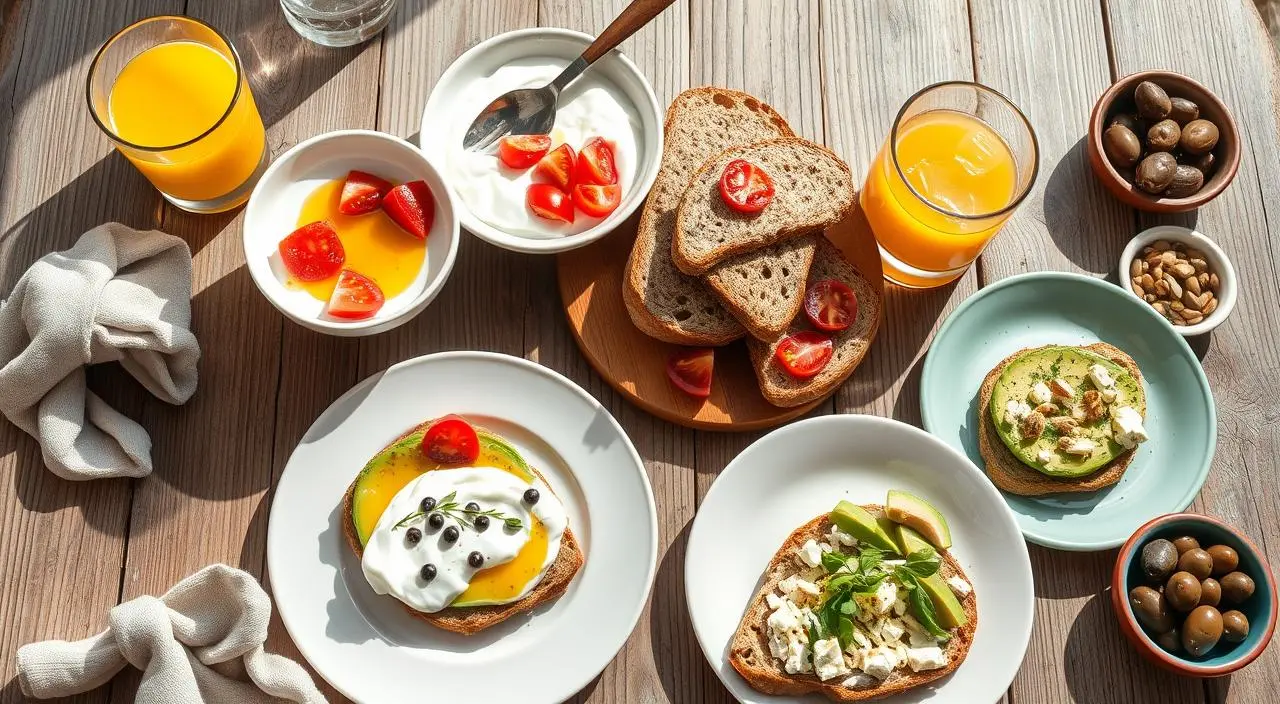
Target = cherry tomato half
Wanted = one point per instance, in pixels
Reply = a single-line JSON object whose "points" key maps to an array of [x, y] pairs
{"points": [[831, 305], [362, 193], [804, 354], [597, 201], [595, 163], [312, 252], [451, 440], [550, 203], [520, 151], [745, 187], [556, 168], [356, 297], [690, 370]]}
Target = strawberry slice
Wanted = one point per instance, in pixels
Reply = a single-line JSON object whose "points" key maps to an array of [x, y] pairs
{"points": [[362, 193], [556, 168], [356, 297], [411, 206]]}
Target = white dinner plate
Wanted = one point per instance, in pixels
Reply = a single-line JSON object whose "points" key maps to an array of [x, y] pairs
{"points": [[364, 644], [802, 470]]}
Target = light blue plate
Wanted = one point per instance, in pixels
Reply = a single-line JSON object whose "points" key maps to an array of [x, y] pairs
{"points": [[1046, 308]]}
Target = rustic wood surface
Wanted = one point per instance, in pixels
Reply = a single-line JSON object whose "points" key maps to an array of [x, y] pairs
{"points": [[838, 70]]}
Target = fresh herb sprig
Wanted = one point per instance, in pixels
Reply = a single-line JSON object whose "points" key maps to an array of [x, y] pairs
{"points": [[463, 515], [922, 564], [850, 577]]}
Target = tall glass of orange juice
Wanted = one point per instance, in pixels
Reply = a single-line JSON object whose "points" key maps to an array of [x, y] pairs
{"points": [[172, 95], [959, 159]]}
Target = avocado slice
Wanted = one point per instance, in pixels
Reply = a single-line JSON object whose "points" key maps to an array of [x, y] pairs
{"points": [[859, 523], [947, 607], [910, 510]]}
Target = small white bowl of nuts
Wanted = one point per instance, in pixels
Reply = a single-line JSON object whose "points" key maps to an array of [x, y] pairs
{"points": [[1183, 275]]}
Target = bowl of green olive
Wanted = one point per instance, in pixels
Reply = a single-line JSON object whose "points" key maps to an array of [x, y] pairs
{"points": [[1160, 141], [1194, 595]]}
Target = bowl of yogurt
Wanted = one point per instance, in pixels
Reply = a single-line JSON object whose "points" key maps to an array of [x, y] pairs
{"points": [[612, 100]]}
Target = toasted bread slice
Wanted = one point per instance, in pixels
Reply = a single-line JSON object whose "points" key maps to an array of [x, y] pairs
{"points": [[1009, 473], [765, 295], [469, 620], [749, 650], [851, 344], [664, 302], [813, 189]]}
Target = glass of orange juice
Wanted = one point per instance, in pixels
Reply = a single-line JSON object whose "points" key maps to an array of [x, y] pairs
{"points": [[959, 159], [172, 95]]}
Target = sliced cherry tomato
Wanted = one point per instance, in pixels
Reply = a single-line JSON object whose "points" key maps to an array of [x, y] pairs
{"points": [[745, 187], [690, 370], [556, 167], [356, 297], [547, 201], [804, 354], [597, 201], [312, 252], [595, 163], [831, 305], [362, 193], [451, 440], [411, 206], [520, 151]]}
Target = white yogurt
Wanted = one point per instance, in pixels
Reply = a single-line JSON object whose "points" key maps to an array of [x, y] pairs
{"points": [[589, 107], [392, 564]]}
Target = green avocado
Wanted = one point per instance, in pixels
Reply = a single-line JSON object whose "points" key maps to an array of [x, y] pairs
{"points": [[910, 510], [1070, 364], [949, 610], [859, 523]]}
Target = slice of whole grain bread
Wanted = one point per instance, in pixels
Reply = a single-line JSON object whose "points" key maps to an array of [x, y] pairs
{"points": [[765, 294], [663, 302], [469, 620], [850, 345], [749, 650], [1010, 474], [813, 189]]}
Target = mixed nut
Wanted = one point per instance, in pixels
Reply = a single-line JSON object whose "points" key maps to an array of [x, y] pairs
{"points": [[1161, 144], [1176, 280], [1183, 610]]}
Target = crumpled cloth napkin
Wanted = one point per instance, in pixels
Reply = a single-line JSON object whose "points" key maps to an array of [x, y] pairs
{"points": [[186, 642], [117, 295]]}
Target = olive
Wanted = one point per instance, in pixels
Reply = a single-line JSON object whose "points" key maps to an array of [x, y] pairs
{"points": [[472, 507], [531, 496], [1121, 145], [1150, 609], [1159, 558], [428, 572], [1163, 136], [450, 534], [475, 559], [1155, 172], [1201, 630], [1128, 120], [1210, 592], [1153, 103], [1199, 136], [1224, 559], [1205, 162], [1170, 641], [1185, 543], [1236, 587], [1182, 591], [1182, 110], [480, 523], [435, 520], [428, 504], [413, 535], [1187, 180], [1197, 562], [1235, 627]]}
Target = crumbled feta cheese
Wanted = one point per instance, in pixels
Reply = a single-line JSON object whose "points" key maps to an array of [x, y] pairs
{"points": [[921, 659], [1061, 388], [1015, 411], [917, 636], [797, 660], [772, 600], [1126, 425], [828, 661], [892, 630], [1040, 393], [785, 618], [838, 537], [1045, 456], [788, 585], [1081, 447], [807, 588], [899, 606], [879, 663], [860, 639], [810, 554], [1100, 377], [959, 586], [861, 680], [826, 547], [1111, 395], [886, 594], [787, 638]]}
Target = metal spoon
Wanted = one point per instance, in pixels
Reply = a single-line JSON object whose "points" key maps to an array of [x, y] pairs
{"points": [[533, 110]]}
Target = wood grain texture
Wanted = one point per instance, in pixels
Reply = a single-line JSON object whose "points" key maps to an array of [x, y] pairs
{"points": [[1231, 57]]}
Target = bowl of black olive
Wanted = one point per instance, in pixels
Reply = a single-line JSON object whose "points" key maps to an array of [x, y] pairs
{"points": [[1160, 141], [1194, 595]]}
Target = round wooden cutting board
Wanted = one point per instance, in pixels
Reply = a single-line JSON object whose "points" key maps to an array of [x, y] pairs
{"points": [[635, 364]]}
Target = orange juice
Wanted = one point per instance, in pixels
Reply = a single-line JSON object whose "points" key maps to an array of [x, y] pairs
{"points": [[375, 246], [173, 93], [959, 175]]}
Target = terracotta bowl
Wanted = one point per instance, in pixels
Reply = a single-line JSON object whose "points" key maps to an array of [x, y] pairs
{"points": [[1260, 608], [1119, 97]]}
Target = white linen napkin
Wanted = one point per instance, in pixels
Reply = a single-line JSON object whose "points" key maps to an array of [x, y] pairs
{"points": [[117, 295], [186, 642]]}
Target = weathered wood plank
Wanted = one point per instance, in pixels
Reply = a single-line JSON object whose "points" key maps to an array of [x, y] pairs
{"points": [[1223, 45]]}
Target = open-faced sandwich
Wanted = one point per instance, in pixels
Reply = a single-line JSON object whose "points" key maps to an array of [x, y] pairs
{"points": [[860, 603], [450, 520], [1061, 419]]}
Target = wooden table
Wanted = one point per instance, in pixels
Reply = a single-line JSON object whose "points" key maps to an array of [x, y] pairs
{"points": [[837, 69]]}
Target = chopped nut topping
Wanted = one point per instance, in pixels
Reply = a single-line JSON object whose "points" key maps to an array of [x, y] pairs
{"points": [[1032, 426], [1081, 447], [1064, 425], [1061, 389], [1094, 408], [1047, 409]]}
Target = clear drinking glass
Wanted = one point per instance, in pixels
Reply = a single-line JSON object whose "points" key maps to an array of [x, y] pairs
{"points": [[958, 161], [172, 95], [337, 22]]}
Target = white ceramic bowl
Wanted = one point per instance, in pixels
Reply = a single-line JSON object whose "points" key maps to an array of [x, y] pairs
{"points": [[1216, 258], [562, 45], [276, 201]]}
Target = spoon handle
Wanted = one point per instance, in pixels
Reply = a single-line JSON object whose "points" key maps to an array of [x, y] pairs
{"points": [[635, 16]]}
